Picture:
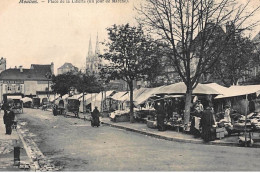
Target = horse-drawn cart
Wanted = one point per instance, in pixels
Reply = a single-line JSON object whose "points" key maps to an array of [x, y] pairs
{"points": [[73, 106]]}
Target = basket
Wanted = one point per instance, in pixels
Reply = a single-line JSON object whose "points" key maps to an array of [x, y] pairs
{"points": [[151, 124]]}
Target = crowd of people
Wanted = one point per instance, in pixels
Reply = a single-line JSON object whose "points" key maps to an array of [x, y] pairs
{"points": [[207, 121]]}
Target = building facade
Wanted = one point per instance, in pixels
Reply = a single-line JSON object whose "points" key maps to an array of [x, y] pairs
{"points": [[67, 67], [26, 82]]}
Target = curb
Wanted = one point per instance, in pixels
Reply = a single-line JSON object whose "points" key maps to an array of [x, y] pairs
{"points": [[38, 161], [154, 135], [32, 163], [178, 139]]}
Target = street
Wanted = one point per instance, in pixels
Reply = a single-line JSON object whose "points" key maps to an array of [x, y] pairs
{"points": [[74, 145]]}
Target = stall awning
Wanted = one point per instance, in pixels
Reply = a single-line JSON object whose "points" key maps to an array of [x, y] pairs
{"points": [[26, 99], [118, 95], [180, 88], [149, 92], [235, 91], [14, 97]]}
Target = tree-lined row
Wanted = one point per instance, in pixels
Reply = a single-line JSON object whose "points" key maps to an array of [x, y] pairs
{"points": [[82, 82], [190, 34]]}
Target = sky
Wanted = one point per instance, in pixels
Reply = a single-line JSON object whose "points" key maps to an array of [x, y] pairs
{"points": [[60, 32]]}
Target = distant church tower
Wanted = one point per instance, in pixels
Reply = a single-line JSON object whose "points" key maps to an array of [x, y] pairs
{"points": [[93, 62], [2, 64]]}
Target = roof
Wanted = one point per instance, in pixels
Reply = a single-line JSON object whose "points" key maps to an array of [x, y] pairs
{"points": [[36, 72], [67, 65]]}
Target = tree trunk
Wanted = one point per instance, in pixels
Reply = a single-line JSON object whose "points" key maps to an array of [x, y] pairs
{"points": [[131, 102], [187, 106]]}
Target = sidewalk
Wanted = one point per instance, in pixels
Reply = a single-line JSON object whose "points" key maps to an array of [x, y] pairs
{"points": [[6, 149], [167, 135]]}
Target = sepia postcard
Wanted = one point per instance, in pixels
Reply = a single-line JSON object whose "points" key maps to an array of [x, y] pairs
{"points": [[129, 85]]}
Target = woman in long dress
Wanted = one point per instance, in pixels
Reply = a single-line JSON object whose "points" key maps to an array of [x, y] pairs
{"points": [[207, 123]]}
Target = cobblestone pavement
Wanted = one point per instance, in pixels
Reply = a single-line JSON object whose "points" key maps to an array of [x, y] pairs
{"points": [[71, 144]]}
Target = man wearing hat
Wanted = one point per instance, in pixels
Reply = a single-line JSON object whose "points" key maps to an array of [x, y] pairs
{"points": [[9, 119]]}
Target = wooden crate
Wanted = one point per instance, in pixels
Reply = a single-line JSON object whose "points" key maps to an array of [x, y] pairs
{"points": [[220, 133]]}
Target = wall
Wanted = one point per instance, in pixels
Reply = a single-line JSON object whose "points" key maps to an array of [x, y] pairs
{"points": [[32, 86], [13, 88]]}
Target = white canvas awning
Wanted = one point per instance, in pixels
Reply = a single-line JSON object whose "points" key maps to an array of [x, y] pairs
{"points": [[149, 92], [234, 91], [180, 88], [14, 97], [118, 95], [26, 99]]}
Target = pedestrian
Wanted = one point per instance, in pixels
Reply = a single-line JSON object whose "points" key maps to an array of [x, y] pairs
{"points": [[9, 117], [170, 109], [55, 110], [181, 107], [251, 106], [95, 117], [227, 114], [200, 106], [160, 112], [208, 124]]}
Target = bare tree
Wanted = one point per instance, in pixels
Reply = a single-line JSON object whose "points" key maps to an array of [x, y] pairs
{"points": [[192, 28]]}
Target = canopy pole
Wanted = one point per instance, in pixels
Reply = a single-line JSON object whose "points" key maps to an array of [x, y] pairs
{"points": [[246, 122]]}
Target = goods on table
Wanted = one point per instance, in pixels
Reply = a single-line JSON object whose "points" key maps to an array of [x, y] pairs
{"points": [[120, 116], [142, 115]]}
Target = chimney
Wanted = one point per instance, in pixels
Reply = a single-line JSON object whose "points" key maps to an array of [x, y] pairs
{"points": [[52, 68], [21, 68]]}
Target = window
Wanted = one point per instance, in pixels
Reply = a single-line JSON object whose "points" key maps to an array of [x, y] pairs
{"points": [[13, 88]]}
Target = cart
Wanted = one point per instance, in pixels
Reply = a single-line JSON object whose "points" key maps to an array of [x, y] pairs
{"points": [[73, 106], [36, 102], [17, 106], [59, 107], [45, 103]]}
